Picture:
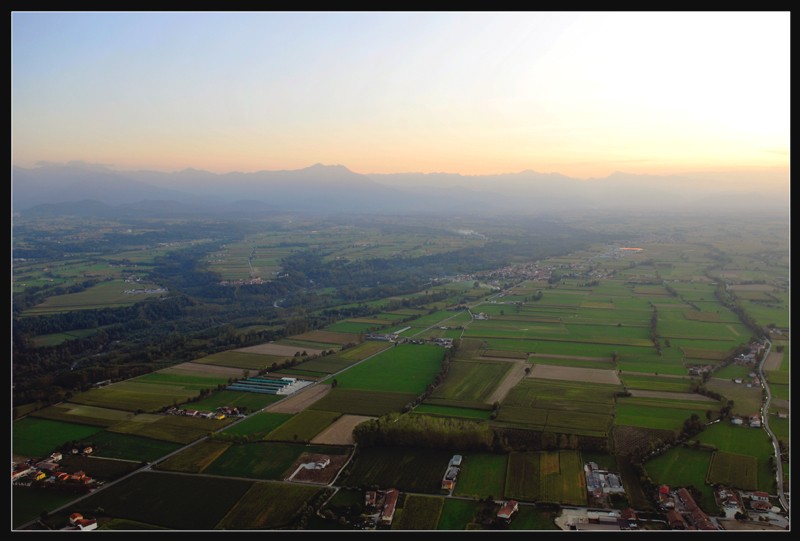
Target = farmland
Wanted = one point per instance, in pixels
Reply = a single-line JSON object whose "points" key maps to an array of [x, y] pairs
{"points": [[39, 437], [479, 476], [412, 368], [563, 366], [266, 505], [407, 469], [149, 498], [419, 513], [546, 476]]}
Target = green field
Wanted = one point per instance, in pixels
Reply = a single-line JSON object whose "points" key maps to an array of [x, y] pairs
{"points": [[258, 425], [744, 441], [80, 413], [264, 460], [682, 467], [456, 514], [530, 518], [303, 426], [550, 476], [128, 447], [28, 503], [448, 411], [267, 506], [407, 469], [357, 402], [108, 294], [196, 458], [634, 413], [39, 437], [732, 470], [45, 340], [653, 383], [560, 406], [172, 428], [482, 475], [472, 381], [175, 501], [412, 368]]}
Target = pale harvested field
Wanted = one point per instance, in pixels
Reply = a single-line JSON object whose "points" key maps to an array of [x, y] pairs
{"points": [[752, 287], [781, 403], [670, 396], [774, 360], [279, 350], [341, 431], [569, 373], [513, 377], [676, 376], [573, 357], [327, 337], [197, 368], [300, 400]]}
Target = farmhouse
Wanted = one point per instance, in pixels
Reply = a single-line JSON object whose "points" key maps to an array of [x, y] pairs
{"points": [[759, 501], [456, 460], [370, 498], [665, 499], [628, 520], [755, 421], [599, 482], [737, 421], [449, 480], [389, 504], [507, 510]]}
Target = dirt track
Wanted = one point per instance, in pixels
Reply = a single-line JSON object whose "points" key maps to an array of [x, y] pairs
{"points": [[513, 377], [301, 399], [341, 431]]}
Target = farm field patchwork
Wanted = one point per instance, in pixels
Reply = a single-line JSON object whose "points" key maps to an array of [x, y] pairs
{"points": [[264, 460], [341, 431], [243, 360], [196, 458], [172, 428], [258, 425], [682, 467], [457, 514], [552, 476]]}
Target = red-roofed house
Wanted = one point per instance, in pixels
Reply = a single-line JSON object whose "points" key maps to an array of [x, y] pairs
{"points": [[75, 517], [390, 502], [507, 510]]}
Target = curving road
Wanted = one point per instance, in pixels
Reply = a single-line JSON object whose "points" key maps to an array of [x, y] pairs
{"points": [[765, 424]]}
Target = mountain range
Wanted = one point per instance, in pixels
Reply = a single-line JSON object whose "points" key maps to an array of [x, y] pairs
{"points": [[78, 188]]}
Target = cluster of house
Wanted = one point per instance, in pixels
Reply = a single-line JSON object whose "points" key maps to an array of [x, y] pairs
{"points": [[450, 475], [683, 513], [754, 420], [246, 282], [79, 522], [385, 501], [146, 291], [526, 271], [480, 315], [219, 414], [47, 471], [753, 381], [443, 342], [600, 482], [751, 356]]}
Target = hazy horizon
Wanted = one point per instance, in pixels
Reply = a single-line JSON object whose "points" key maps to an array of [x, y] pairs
{"points": [[578, 94]]}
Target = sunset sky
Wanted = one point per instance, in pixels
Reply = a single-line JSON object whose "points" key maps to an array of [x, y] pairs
{"points": [[583, 94]]}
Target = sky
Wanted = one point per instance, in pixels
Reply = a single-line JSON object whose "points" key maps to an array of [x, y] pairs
{"points": [[582, 94]]}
